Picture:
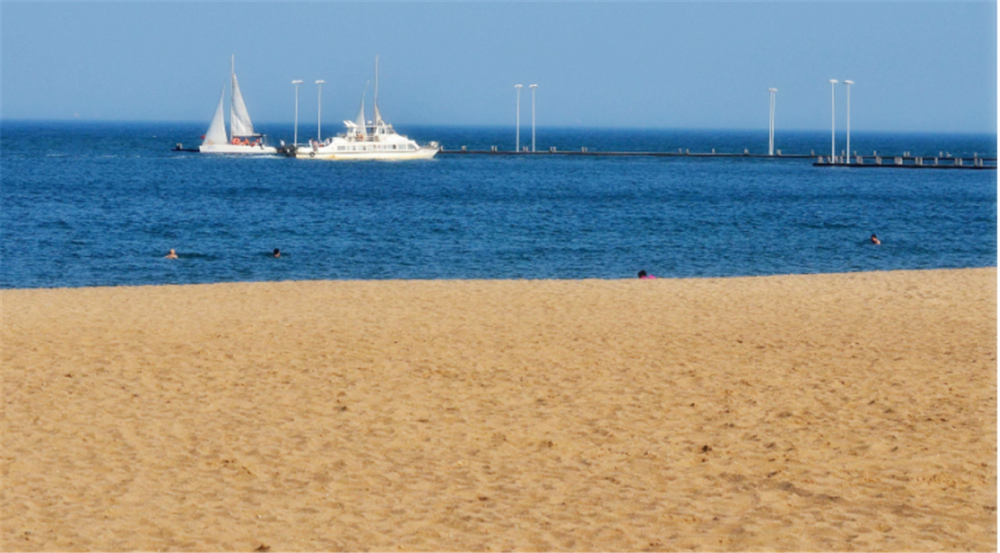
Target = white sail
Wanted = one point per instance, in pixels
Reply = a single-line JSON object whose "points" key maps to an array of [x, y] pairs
{"points": [[239, 119], [217, 129], [360, 119]]}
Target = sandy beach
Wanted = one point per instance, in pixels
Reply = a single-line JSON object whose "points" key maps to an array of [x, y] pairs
{"points": [[850, 412]]}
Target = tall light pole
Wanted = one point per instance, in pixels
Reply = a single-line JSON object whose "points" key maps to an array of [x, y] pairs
{"points": [[848, 83], [517, 141], [833, 124], [533, 87], [770, 146], [319, 110], [296, 83]]}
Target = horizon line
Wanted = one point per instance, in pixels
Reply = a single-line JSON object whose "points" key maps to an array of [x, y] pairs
{"points": [[492, 126]]}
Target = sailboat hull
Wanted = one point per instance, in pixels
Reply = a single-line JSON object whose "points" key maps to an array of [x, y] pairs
{"points": [[236, 149]]}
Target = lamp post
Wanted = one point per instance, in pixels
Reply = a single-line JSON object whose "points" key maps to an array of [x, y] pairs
{"points": [[770, 146], [848, 83], [319, 110], [833, 124], [517, 141], [296, 139], [533, 87]]}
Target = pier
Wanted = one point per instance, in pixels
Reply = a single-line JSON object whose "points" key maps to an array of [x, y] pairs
{"points": [[907, 162], [584, 151]]}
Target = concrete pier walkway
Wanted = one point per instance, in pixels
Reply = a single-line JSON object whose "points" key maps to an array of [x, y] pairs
{"points": [[905, 161]]}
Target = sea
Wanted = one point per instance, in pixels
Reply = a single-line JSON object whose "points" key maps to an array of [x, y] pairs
{"points": [[100, 204]]}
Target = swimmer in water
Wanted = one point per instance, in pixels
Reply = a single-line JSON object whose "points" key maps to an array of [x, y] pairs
{"points": [[276, 253], [875, 240], [171, 255]]}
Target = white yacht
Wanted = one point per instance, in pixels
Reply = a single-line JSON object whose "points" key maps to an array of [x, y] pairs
{"points": [[375, 139], [242, 139]]}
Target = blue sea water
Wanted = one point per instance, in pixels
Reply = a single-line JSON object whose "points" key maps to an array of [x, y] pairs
{"points": [[88, 204]]}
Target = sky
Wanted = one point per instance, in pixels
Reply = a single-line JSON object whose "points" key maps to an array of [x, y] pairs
{"points": [[918, 67]]}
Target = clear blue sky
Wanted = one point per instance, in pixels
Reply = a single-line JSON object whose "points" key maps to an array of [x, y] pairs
{"points": [[918, 66]]}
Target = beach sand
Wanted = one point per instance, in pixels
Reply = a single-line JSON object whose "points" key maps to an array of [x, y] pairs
{"points": [[850, 412]]}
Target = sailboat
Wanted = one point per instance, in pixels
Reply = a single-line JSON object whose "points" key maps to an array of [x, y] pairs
{"points": [[373, 139], [242, 138]]}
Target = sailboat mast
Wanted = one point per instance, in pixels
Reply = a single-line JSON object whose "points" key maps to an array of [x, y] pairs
{"points": [[232, 97], [378, 116]]}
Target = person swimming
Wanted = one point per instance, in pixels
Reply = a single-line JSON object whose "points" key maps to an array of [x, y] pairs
{"points": [[276, 253], [171, 255], [875, 240]]}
